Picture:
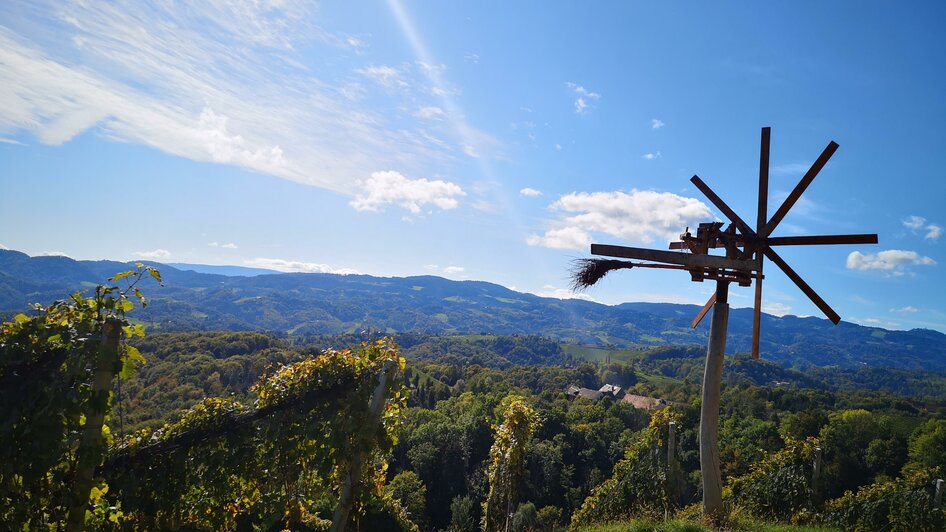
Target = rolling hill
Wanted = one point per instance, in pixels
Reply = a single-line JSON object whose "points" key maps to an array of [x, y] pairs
{"points": [[306, 304]]}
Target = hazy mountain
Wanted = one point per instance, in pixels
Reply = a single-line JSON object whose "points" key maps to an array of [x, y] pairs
{"points": [[295, 303], [229, 271]]}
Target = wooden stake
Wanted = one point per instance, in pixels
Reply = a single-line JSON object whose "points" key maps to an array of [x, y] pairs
{"points": [[709, 409], [938, 494], [815, 476], [353, 477], [91, 447]]}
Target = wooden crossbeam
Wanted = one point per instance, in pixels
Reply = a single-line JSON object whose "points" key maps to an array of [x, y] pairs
{"points": [[670, 257]]}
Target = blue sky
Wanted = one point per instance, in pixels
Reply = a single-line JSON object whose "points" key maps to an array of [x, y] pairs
{"points": [[486, 140]]}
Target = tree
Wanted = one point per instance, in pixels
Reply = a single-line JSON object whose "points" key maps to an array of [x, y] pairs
{"points": [[408, 489], [928, 445], [507, 461]]}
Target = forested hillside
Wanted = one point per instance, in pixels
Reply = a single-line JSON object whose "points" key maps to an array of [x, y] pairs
{"points": [[307, 304], [109, 426]]}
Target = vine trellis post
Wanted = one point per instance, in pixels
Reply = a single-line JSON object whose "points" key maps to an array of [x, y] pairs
{"points": [[91, 445], [742, 264], [356, 462]]}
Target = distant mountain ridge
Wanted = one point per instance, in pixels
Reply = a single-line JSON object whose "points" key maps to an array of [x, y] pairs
{"points": [[317, 303]]}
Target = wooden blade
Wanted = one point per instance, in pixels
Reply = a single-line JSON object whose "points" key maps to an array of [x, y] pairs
{"points": [[800, 188], [757, 318], [821, 240], [763, 179], [803, 286], [699, 315], [721, 205], [760, 225], [673, 257]]}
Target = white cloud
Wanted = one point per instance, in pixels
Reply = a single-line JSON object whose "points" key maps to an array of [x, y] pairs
{"points": [[891, 260], [229, 245], [14, 142], [530, 192], [656, 124], [562, 293], [54, 254], [432, 267], [584, 99], [914, 222], [470, 57], [638, 215], [390, 187], [3, 247], [430, 113], [454, 269], [562, 238], [776, 309], [558, 147], [905, 310], [283, 265], [223, 82], [651, 156], [933, 232], [386, 76], [789, 168], [153, 254]]}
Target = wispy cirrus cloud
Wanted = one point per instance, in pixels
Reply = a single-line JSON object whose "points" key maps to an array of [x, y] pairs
{"points": [[909, 309], [214, 82], [638, 216]]}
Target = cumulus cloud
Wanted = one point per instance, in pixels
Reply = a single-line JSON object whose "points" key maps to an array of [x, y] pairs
{"points": [[562, 238], [584, 97], [638, 216], [530, 192], [284, 265], [656, 124], [894, 261], [454, 269], [914, 222], [651, 156], [918, 223], [562, 293], [154, 254], [390, 187], [776, 309], [933, 232]]}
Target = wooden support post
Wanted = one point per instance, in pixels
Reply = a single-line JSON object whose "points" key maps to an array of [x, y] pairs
{"points": [[672, 467], [91, 446], [671, 443], [709, 409], [816, 476], [353, 475], [938, 494]]}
